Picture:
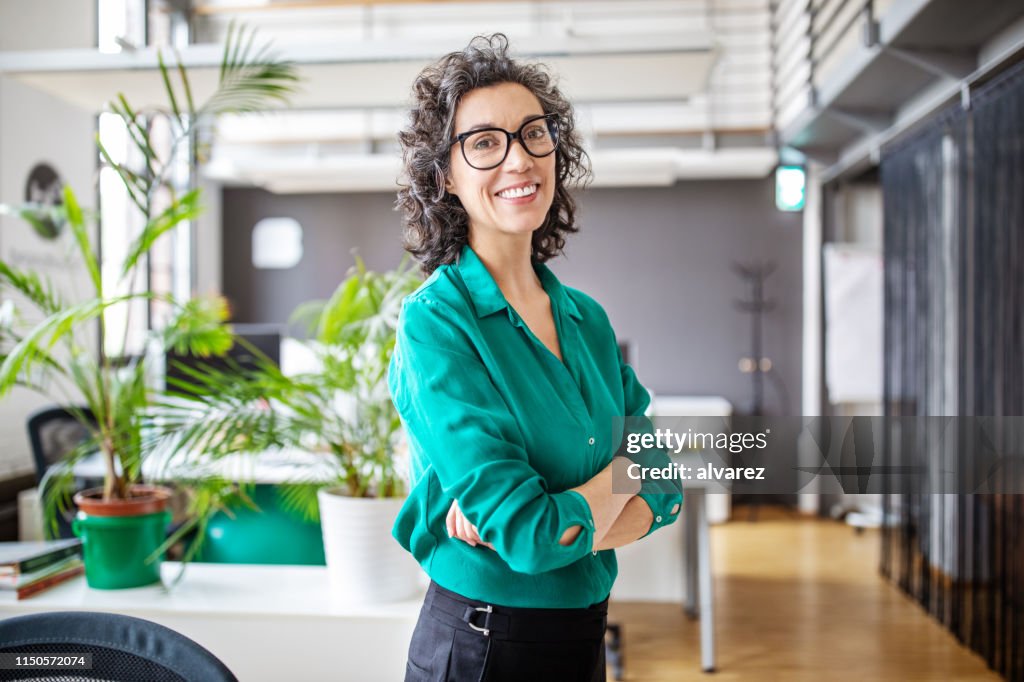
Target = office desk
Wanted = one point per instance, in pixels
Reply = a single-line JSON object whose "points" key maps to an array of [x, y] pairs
{"points": [[264, 622]]}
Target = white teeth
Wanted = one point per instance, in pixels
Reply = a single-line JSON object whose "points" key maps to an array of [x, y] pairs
{"points": [[518, 192]]}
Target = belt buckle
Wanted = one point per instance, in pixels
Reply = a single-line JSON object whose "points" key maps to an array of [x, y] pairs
{"points": [[485, 631]]}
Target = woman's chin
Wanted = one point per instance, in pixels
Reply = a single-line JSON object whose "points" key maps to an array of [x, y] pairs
{"points": [[521, 229], [523, 223]]}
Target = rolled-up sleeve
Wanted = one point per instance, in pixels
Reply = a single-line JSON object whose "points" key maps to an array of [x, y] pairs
{"points": [[456, 419], [663, 496]]}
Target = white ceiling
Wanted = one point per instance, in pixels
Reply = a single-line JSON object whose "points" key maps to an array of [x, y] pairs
{"points": [[376, 73], [664, 89]]}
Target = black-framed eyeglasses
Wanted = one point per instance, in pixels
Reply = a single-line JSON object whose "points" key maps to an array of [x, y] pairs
{"points": [[487, 148]]}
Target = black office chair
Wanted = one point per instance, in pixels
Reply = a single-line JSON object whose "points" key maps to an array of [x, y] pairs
{"points": [[122, 648], [53, 433]]}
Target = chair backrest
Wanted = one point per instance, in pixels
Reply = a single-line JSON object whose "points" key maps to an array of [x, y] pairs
{"points": [[53, 433], [122, 648]]}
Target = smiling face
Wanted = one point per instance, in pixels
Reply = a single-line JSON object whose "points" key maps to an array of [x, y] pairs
{"points": [[514, 198]]}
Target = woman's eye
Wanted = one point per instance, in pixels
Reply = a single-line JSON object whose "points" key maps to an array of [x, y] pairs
{"points": [[535, 133], [483, 143]]}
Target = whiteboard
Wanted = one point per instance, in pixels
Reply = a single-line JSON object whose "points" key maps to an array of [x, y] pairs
{"points": [[853, 323]]}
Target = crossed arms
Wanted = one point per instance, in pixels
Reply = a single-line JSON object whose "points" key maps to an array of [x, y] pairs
{"points": [[620, 518]]}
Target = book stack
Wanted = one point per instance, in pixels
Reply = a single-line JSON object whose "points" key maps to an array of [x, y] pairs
{"points": [[30, 567]]}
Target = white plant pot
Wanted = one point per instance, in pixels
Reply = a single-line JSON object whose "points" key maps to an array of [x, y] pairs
{"points": [[365, 564]]}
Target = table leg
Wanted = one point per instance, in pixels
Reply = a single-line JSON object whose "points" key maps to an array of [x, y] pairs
{"points": [[707, 593], [690, 555]]}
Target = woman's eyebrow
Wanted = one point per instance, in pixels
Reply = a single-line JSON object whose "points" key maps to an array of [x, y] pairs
{"points": [[488, 124]]}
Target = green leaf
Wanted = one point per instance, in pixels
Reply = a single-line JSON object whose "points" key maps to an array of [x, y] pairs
{"points": [[307, 315], [300, 498], [180, 210], [341, 310], [227, 44], [87, 376], [29, 285], [249, 83], [138, 132], [183, 73], [55, 328], [135, 185], [167, 84], [79, 229], [198, 328]]}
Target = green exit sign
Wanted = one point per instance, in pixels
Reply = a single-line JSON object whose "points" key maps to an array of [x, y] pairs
{"points": [[790, 188]]}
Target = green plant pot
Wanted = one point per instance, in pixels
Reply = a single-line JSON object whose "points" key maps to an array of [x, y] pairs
{"points": [[115, 548]]}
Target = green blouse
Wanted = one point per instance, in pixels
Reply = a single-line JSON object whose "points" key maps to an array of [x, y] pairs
{"points": [[497, 422]]}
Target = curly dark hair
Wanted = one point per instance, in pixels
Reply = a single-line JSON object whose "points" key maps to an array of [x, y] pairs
{"points": [[436, 224]]}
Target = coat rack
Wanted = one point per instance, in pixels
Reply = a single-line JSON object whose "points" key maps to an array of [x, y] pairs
{"points": [[754, 274]]}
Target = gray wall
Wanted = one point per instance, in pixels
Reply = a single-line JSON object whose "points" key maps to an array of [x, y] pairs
{"points": [[332, 225], [657, 259]]}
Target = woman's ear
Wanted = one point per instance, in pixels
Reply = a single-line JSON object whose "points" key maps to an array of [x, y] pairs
{"points": [[442, 180]]}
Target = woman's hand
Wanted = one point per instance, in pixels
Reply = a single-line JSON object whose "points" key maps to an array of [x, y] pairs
{"points": [[459, 527], [606, 501], [631, 525]]}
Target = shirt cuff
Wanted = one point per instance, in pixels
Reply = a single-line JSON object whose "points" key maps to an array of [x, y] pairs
{"points": [[573, 510], [665, 507]]}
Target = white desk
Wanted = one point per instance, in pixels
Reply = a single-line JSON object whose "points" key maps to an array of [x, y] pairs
{"points": [[272, 466], [264, 622]]}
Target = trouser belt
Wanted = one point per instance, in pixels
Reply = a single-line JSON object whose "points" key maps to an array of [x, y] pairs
{"points": [[514, 623]]}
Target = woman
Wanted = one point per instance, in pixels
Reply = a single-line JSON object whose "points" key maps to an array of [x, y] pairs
{"points": [[508, 384]]}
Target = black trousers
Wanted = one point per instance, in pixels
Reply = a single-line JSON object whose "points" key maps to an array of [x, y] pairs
{"points": [[462, 640]]}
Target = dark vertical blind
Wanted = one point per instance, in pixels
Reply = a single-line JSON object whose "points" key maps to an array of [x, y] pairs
{"points": [[954, 345]]}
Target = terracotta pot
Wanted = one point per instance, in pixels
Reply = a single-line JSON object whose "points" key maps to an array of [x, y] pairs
{"points": [[145, 499]]}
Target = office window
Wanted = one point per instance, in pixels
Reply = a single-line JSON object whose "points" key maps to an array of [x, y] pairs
{"points": [[120, 23], [125, 324], [168, 269]]}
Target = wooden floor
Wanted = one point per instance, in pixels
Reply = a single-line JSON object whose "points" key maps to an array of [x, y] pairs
{"points": [[798, 599]]}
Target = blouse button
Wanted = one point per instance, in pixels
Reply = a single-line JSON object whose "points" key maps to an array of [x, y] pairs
{"points": [[591, 441], [658, 519], [594, 552]]}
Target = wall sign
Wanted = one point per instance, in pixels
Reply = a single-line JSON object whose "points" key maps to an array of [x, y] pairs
{"points": [[45, 189]]}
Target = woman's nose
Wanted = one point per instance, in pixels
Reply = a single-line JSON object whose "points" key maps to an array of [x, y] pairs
{"points": [[518, 159]]}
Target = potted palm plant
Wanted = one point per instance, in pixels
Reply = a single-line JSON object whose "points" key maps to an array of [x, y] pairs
{"points": [[48, 341], [340, 413]]}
